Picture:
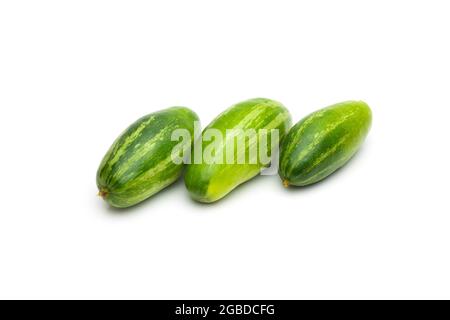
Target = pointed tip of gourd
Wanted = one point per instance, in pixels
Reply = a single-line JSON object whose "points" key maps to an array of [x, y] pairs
{"points": [[285, 183], [103, 193]]}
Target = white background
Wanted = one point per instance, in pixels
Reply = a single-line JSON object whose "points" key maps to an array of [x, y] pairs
{"points": [[74, 74]]}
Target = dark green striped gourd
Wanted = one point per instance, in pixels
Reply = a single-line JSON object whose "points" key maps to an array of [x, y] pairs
{"points": [[323, 142], [209, 182], [139, 163]]}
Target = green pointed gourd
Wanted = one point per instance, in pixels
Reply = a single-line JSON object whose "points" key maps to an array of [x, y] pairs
{"points": [[139, 163], [211, 181], [323, 142]]}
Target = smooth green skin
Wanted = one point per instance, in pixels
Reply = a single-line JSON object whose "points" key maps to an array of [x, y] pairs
{"points": [[210, 182], [323, 142], [139, 163]]}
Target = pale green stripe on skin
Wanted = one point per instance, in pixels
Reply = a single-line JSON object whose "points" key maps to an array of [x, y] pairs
{"points": [[325, 155], [317, 138], [140, 194], [242, 123], [114, 154], [143, 152], [326, 171], [148, 175], [304, 125]]}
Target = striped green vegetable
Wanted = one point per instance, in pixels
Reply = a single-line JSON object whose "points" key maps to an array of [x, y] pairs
{"points": [[139, 163], [323, 142], [209, 182]]}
